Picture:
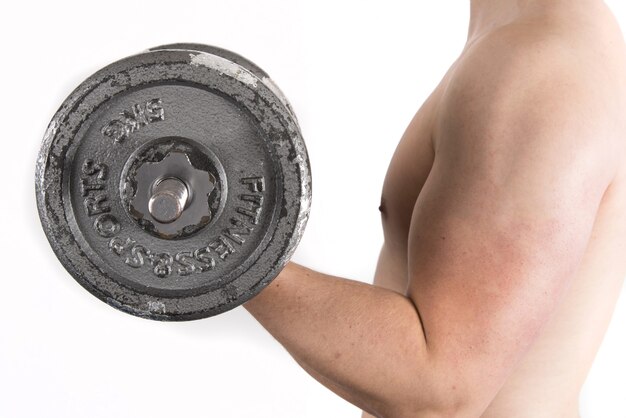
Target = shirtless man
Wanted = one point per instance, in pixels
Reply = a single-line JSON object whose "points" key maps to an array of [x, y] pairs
{"points": [[504, 214]]}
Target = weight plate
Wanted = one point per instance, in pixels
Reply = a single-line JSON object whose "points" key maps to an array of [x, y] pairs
{"points": [[174, 184], [236, 58]]}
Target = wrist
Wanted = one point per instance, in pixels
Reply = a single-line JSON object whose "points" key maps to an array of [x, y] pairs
{"points": [[271, 290]]}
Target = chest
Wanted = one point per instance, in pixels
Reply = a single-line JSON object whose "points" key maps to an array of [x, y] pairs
{"points": [[406, 175]]}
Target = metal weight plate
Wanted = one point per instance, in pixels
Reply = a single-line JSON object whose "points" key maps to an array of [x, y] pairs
{"points": [[174, 184]]}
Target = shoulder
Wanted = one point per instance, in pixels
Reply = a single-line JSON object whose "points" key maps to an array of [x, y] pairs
{"points": [[529, 91], [513, 61], [555, 61], [579, 43]]}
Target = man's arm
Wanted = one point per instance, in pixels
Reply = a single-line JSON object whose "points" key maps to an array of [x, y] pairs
{"points": [[359, 340], [497, 233]]}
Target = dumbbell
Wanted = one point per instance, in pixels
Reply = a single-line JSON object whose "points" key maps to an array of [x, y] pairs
{"points": [[174, 184]]}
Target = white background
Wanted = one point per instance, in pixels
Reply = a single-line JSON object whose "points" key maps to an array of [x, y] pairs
{"points": [[355, 73]]}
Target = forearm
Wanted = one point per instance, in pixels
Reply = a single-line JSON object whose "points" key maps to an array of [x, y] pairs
{"points": [[364, 342]]}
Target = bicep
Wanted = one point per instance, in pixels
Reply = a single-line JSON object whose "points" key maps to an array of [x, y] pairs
{"points": [[497, 233]]}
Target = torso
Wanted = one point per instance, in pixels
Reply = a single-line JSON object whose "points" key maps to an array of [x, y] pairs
{"points": [[547, 382]]}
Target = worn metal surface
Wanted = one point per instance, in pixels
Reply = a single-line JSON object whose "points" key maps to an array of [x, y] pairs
{"points": [[219, 128]]}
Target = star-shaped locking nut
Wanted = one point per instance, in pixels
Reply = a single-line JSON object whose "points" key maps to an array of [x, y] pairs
{"points": [[172, 196]]}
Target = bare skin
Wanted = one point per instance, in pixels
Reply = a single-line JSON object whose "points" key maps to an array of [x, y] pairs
{"points": [[504, 213]]}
